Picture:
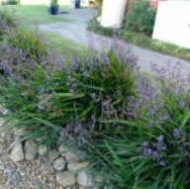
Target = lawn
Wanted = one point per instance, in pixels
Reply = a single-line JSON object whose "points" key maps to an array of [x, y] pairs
{"points": [[62, 46], [155, 45], [31, 14]]}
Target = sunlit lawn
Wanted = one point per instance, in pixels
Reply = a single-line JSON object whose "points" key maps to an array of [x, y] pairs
{"points": [[63, 47], [33, 14]]}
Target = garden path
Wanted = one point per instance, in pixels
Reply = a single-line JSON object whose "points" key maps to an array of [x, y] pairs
{"points": [[75, 30]]}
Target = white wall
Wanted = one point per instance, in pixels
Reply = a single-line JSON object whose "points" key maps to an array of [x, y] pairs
{"points": [[173, 22], [112, 13]]}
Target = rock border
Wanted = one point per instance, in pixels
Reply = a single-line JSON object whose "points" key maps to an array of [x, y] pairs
{"points": [[69, 168]]}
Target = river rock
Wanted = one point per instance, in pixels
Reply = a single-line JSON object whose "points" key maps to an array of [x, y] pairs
{"points": [[52, 155], [85, 179], [17, 153], [77, 166], [31, 150], [59, 164], [42, 150], [71, 157], [65, 179]]}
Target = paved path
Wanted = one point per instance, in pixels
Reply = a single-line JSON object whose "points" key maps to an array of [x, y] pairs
{"points": [[76, 31]]}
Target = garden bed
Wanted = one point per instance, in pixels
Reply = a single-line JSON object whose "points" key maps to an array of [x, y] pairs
{"points": [[132, 133]]}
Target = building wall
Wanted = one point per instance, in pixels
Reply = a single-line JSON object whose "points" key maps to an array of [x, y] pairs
{"points": [[172, 22], [112, 13]]}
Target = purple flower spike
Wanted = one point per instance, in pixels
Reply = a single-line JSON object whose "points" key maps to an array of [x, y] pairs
{"points": [[156, 156], [162, 163], [148, 151], [145, 144], [177, 133], [160, 138], [106, 102]]}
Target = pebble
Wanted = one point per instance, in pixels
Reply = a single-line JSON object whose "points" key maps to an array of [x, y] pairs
{"points": [[19, 132], [82, 187], [59, 164], [62, 149], [71, 157], [2, 140], [17, 153], [84, 179], [42, 150], [65, 179], [2, 122], [47, 170], [77, 166], [30, 150], [52, 155]]}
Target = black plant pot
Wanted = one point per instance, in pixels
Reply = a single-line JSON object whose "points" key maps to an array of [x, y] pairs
{"points": [[77, 4], [53, 10]]}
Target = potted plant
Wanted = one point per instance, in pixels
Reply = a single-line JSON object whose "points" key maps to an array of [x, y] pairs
{"points": [[54, 7], [77, 4], [99, 3]]}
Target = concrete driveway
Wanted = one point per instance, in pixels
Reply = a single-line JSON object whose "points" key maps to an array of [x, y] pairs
{"points": [[75, 30]]}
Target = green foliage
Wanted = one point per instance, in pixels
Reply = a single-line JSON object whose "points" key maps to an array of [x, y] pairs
{"points": [[99, 2], [33, 14], [75, 100], [140, 18], [11, 2], [102, 86], [16, 65], [22, 100], [7, 22], [94, 25], [159, 46], [153, 150], [137, 143], [16, 59], [29, 42], [54, 2], [164, 153]]}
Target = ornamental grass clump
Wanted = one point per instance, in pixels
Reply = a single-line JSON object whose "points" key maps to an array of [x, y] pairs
{"points": [[153, 150], [77, 100], [165, 151], [21, 51], [164, 154], [22, 101], [14, 63], [30, 42], [7, 23], [100, 87]]}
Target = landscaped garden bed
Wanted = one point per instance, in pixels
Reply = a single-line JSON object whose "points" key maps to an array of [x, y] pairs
{"points": [[131, 132]]}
